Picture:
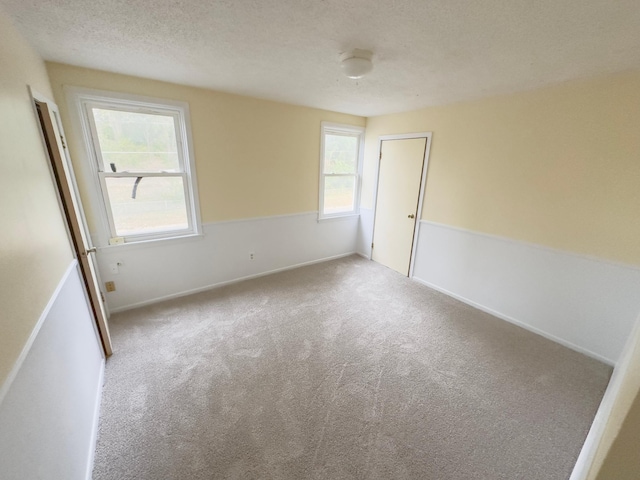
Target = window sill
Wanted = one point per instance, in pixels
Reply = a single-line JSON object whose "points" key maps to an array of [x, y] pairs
{"points": [[156, 242], [338, 217]]}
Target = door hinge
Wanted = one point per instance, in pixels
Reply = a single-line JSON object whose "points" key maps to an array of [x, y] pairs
{"points": [[380, 158], [102, 297], [64, 145], [372, 246]]}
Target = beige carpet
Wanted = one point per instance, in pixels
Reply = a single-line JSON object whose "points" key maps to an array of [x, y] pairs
{"points": [[341, 370]]}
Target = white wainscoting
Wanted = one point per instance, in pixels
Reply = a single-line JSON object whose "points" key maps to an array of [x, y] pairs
{"points": [[49, 410], [365, 232], [585, 303], [155, 271]]}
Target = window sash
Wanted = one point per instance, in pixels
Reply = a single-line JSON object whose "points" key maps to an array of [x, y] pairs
{"points": [[84, 101], [328, 132], [354, 192], [354, 172], [177, 124], [142, 174], [345, 131], [144, 236]]}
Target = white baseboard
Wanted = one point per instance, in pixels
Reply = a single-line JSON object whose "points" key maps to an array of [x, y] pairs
{"points": [[221, 255], [227, 282], [585, 303]]}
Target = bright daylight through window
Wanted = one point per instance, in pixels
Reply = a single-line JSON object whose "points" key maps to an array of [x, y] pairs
{"points": [[143, 165], [341, 157]]}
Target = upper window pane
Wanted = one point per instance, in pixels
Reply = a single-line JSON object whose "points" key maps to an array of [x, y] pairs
{"points": [[136, 142], [340, 154]]}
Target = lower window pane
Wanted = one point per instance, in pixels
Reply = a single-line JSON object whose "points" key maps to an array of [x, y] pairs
{"points": [[159, 205], [339, 194]]}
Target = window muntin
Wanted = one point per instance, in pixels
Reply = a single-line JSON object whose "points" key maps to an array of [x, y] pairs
{"points": [[143, 166], [340, 170]]}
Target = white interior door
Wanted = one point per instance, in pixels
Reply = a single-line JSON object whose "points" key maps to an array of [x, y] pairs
{"points": [[399, 179], [65, 182]]}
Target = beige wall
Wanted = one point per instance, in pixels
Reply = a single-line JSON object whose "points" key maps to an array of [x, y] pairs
{"points": [[253, 157], [557, 167], [34, 247]]}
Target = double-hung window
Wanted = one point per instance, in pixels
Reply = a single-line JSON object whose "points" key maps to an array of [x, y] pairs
{"points": [[340, 163], [143, 164]]}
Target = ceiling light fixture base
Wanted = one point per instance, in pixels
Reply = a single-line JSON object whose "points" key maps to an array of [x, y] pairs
{"points": [[356, 63]]}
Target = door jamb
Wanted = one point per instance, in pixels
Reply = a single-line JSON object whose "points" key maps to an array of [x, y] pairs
{"points": [[423, 182]]}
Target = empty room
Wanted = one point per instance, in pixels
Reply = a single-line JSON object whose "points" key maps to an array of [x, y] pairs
{"points": [[320, 240]]}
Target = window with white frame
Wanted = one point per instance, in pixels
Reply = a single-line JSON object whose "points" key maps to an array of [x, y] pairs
{"points": [[143, 165], [340, 162]]}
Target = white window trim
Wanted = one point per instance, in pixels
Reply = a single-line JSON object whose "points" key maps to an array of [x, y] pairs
{"points": [[340, 129], [78, 100]]}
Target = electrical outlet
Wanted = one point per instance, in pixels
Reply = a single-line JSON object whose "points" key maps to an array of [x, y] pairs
{"points": [[251, 255], [110, 286]]}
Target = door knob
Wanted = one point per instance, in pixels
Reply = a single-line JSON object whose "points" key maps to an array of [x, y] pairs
{"points": [[412, 216], [89, 250]]}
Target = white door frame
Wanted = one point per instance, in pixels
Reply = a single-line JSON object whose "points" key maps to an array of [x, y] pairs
{"points": [[423, 182]]}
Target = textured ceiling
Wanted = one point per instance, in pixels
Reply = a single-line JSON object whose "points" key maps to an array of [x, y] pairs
{"points": [[426, 52]]}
